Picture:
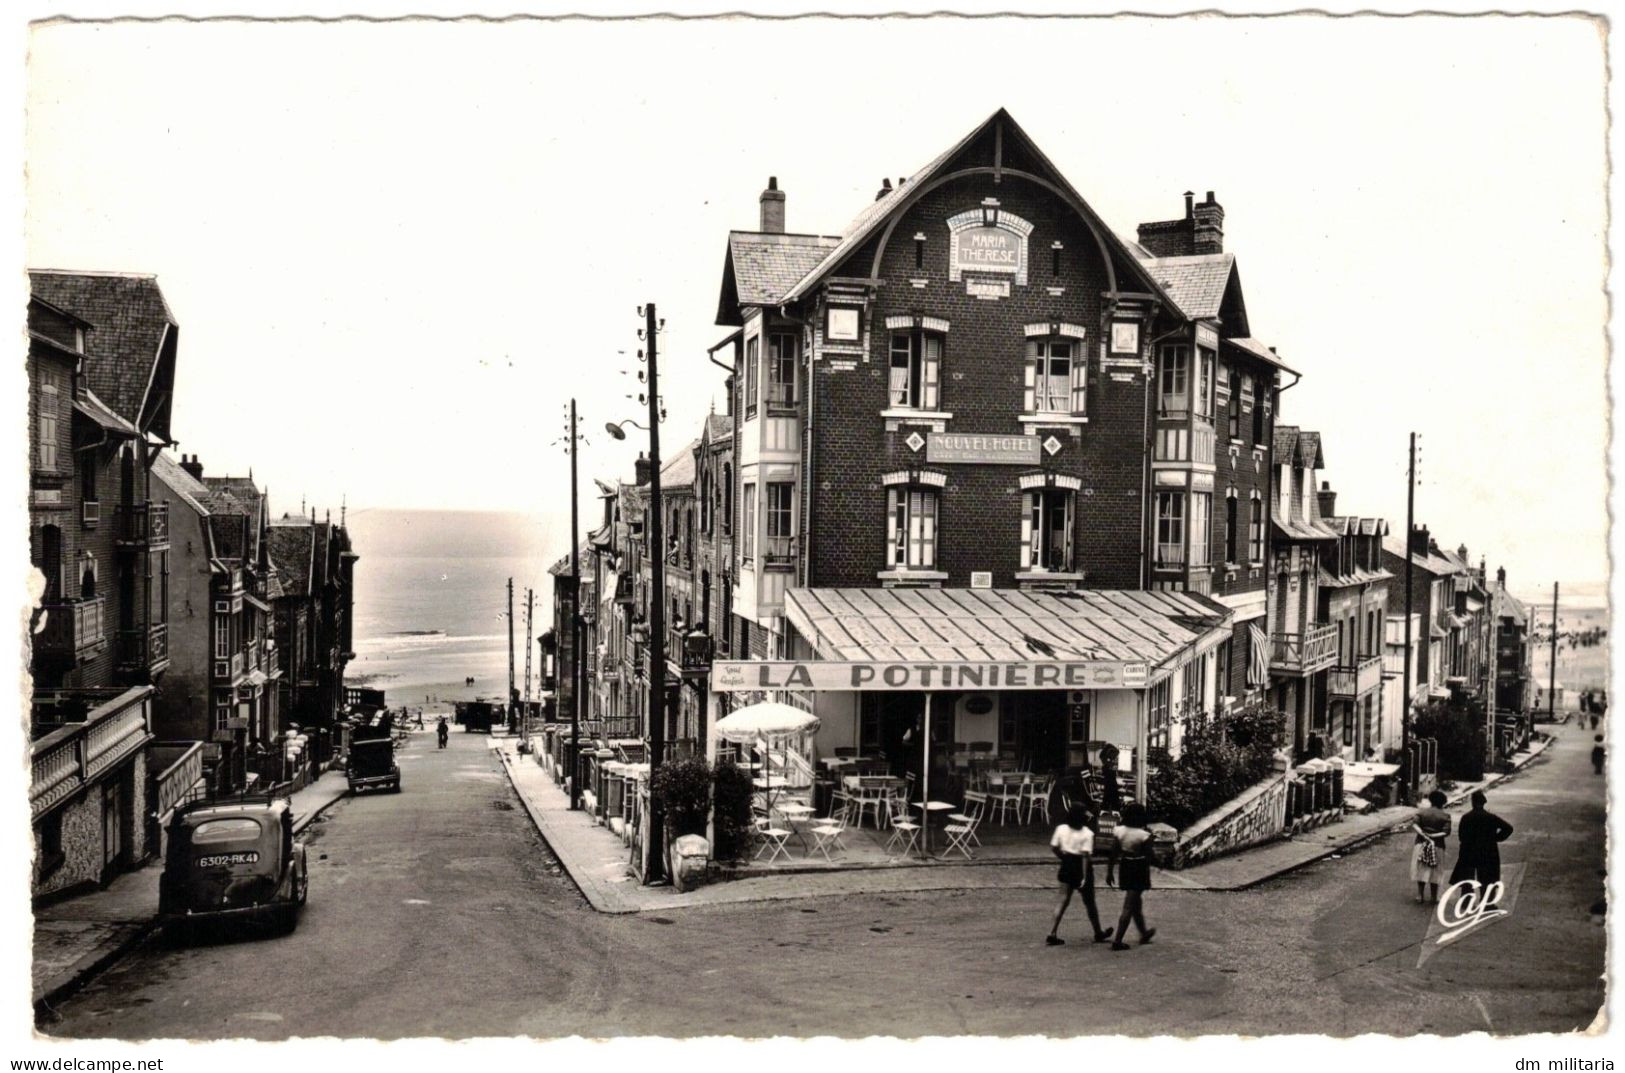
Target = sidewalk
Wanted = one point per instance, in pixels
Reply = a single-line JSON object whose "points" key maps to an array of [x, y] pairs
{"points": [[78, 937], [600, 864]]}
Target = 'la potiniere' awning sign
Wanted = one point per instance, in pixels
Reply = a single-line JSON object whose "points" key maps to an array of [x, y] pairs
{"points": [[741, 676]]}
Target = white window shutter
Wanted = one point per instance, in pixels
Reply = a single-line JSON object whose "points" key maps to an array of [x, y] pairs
{"points": [[894, 525], [1080, 368], [930, 368], [1027, 521], [1071, 532], [1029, 403]]}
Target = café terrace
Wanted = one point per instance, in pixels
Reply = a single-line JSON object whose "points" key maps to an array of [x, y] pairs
{"points": [[951, 688]]}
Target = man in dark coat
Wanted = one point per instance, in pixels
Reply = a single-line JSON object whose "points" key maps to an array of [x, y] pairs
{"points": [[1479, 835]]}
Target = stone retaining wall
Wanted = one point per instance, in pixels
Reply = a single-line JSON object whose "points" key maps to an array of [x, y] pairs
{"points": [[1254, 816]]}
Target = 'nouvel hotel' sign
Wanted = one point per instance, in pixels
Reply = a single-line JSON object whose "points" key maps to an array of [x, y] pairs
{"points": [[983, 448]]}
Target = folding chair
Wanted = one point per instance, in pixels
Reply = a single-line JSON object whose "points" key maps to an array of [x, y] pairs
{"points": [[774, 839], [961, 836], [975, 809], [827, 833], [1005, 796], [903, 829]]}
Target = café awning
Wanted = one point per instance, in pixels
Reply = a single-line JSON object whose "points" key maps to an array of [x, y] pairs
{"points": [[983, 626]]}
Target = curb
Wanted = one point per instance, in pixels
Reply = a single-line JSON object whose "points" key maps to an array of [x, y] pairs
{"points": [[588, 891], [87, 967], [300, 825]]}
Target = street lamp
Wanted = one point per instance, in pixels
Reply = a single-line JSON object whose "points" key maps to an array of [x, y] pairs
{"points": [[990, 212]]}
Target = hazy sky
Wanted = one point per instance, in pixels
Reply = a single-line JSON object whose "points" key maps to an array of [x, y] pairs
{"points": [[395, 250]]}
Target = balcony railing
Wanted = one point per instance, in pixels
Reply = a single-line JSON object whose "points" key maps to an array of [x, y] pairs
{"points": [[75, 754], [144, 524], [1356, 679], [144, 649], [778, 551], [73, 630], [1304, 653]]}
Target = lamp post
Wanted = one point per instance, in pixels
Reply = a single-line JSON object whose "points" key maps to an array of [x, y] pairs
{"points": [[654, 866]]}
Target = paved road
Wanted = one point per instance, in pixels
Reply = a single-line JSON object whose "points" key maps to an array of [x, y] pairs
{"points": [[438, 912]]}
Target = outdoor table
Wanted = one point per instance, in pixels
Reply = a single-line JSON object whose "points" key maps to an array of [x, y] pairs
{"points": [[930, 812], [796, 813]]}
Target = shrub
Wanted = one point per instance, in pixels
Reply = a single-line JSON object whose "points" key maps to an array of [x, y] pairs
{"points": [[732, 819], [683, 789], [1457, 725], [1220, 756]]}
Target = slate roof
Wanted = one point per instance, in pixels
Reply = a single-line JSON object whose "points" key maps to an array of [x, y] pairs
{"points": [[182, 483], [1433, 563], [235, 494], [128, 318], [1195, 283], [1294, 446], [679, 471], [1258, 349], [291, 550], [719, 427], [101, 413], [1505, 605], [766, 266]]}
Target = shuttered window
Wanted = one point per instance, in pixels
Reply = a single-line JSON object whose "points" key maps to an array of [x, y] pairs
{"points": [[911, 528], [1055, 378], [1047, 529], [1255, 531], [915, 370]]}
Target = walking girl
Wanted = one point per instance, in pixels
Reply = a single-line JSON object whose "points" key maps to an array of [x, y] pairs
{"points": [[1132, 860], [1074, 843], [1432, 829]]}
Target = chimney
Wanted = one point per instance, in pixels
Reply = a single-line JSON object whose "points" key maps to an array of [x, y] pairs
{"points": [[772, 208], [1171, 238], [1328, 500], [640, 470], [1421, 540], [885, 188], [191, 465], [1501, 577], [1207, 226]]}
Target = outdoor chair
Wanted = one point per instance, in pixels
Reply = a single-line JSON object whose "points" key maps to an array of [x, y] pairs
{"points": [[872, 796], [904, 830], [774, 839], [961, 836], [1005, 796], [841, 801], [1035, 797], [827, 833], [974, 811]]}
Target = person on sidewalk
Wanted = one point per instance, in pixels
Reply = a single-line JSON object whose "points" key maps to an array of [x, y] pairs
{"points": [[442, 731], [1133, 855], [1597, 755], [1432, 829], [1074, 843], [1480, 835]]}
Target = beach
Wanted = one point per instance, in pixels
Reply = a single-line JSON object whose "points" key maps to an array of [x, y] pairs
{"points": [[431, 603]]}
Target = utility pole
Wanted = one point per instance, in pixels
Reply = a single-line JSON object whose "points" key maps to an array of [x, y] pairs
{"points": [[1407, 772], [654, 867], [509, 704], [524, 712], [1551, 682], [575, 625]]}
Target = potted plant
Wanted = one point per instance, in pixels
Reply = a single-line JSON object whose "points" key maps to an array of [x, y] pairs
{"points": [[683, 790]]}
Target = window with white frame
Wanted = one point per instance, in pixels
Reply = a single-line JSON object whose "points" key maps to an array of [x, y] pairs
{"points": [[1047, 530], [1170, 552], [1205, 360], [916, 368], [747, 522], [781, 369], [1195, 672], [1201, 527], [778, 506], [1157, 717], [752, 357], [911, 527], [1055, 377], [222, 637], [1173, 378]]}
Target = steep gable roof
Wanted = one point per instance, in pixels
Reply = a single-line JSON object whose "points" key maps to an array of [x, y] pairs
{"points": [[132, 330], [292, 548], [1196, 284], [191, 491], [678, 472], [761, 268], [1008, 133], [718, 427]]}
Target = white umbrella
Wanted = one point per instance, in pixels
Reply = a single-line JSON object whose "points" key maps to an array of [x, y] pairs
{"points": [[769, 722]]}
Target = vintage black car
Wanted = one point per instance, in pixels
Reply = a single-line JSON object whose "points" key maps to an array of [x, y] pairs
{"points": [[371, 765], [232, 860]]}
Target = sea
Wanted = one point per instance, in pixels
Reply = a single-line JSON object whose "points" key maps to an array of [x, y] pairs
{"points": [[431, 601]]}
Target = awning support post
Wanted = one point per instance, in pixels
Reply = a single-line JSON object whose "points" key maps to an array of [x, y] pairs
{"points": [[1142, 742], [925, 780]]}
